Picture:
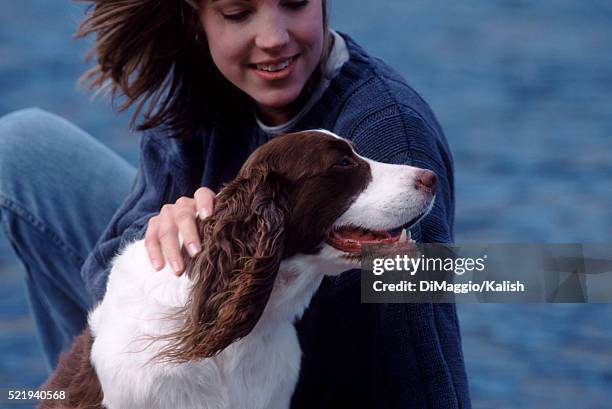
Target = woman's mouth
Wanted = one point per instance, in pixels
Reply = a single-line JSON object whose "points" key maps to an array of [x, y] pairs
{"points": [[276, 70], [274, 67]]}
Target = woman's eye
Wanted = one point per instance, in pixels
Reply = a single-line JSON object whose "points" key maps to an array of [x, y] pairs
{"points": [[238, 16], [296, 4]]}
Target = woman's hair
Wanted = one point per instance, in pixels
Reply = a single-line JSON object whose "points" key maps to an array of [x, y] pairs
{"points": [[153, 55]]}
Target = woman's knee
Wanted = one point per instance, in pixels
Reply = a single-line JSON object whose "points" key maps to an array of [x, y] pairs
{"points": [[27, 140], [25, 126], [41, 149], [16, 120], [55, 175], [46, 160]]}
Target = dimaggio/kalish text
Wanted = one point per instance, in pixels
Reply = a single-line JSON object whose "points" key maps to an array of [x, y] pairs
{"points": [[457, 288]]}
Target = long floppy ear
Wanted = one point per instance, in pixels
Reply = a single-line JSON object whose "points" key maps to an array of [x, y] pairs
{"points": [[233, 276]]}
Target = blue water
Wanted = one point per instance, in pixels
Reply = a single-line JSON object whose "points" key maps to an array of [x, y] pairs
{"points": [[524, 93]]}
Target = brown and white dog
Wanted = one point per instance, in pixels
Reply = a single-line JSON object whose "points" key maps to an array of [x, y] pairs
{"points": [[222, 335]]}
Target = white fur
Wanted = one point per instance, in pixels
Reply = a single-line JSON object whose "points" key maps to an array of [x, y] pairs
{"points": [[258, 371], [390, 200]]}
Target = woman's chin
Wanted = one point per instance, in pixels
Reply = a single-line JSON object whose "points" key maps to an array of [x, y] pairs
{"points": [[277, 107]]}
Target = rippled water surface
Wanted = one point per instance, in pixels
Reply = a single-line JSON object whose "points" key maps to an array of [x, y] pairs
{"points": [[524, 93]]}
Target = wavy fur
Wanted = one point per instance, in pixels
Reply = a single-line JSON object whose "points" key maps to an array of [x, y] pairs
{"points": [[234, 275]]}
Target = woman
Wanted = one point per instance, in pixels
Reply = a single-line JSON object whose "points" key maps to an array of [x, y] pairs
{"points": [[214, 80]]}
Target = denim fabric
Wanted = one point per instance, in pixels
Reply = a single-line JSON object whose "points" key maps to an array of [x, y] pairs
{"points": [[59, 188]]}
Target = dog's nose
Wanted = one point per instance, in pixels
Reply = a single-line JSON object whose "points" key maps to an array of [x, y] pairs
{"points": [[425, 181]]}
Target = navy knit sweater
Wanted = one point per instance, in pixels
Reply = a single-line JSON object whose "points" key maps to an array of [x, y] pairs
{"points": [[354, 355]]}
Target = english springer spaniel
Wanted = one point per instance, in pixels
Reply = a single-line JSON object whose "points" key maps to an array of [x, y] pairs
{"points": [[222, 335]]}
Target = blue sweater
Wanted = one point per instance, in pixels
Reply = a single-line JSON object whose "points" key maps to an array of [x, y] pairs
{"points": [[355, 355]]}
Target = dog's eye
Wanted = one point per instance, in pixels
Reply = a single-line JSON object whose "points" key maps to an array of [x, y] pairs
{"points": [[344, 163]]}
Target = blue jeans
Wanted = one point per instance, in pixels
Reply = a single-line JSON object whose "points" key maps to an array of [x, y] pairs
{"points": [[59, 188]]}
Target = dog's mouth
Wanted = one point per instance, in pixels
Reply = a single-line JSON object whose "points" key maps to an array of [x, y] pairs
{"points": [[350, 239]]}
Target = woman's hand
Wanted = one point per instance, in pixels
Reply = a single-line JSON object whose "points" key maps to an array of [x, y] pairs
{"points": [[161, 238]]}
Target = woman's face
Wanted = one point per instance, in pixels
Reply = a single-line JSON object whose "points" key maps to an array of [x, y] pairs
{"points": [[267, 48]]}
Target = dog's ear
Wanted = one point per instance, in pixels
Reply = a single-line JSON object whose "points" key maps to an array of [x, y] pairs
{"points": [[233, 276]]}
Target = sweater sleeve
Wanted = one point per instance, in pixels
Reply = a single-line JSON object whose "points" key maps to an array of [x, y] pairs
{"points": [[420, 343], [130, 220], [399, 135]]}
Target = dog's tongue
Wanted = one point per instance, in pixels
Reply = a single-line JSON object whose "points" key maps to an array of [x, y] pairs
{"points": [[350, 239]]}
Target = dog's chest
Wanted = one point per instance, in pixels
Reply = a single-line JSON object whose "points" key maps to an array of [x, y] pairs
{"points": [[259, 371]]}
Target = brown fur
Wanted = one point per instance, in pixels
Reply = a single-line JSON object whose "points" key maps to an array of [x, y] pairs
{"points": [[77, 377], [242, 248]]}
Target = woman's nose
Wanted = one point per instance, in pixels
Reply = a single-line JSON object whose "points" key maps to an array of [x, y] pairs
{"points": [[272, 33]]}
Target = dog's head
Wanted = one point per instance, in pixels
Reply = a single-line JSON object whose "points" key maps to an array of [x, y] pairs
{"points": [[336, 199], [307, 193]]}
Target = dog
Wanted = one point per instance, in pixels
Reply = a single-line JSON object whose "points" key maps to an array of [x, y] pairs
{"points": [[222, 335]]}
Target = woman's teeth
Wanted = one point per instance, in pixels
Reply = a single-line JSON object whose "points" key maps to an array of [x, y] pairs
{"points": [[274, 67]]}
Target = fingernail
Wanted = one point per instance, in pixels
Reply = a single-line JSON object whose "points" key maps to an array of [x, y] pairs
{"points": [[176, 266], [203, 213], [193, 249], [156, 264]]}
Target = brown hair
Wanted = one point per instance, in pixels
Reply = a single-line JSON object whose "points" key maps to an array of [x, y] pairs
{"points": [[153, 55]]}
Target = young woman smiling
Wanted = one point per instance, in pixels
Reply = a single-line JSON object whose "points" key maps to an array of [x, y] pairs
{"points": [[211, 81]]}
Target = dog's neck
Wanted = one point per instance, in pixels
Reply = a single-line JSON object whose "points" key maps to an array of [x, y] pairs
{"points": [[293, 289], [299, 277]]}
